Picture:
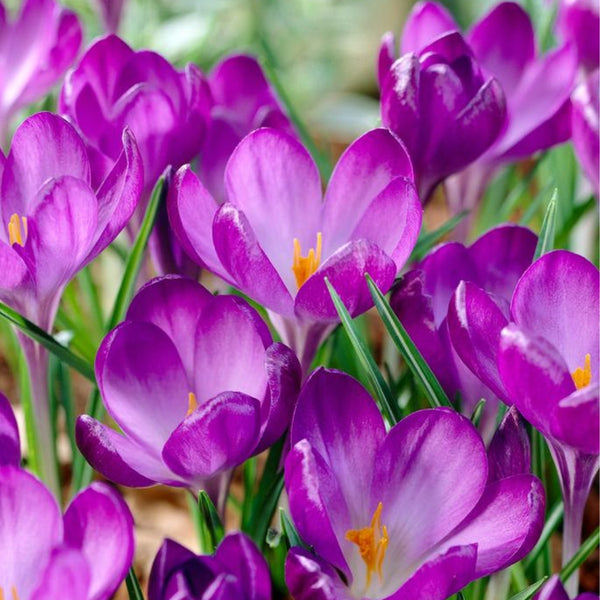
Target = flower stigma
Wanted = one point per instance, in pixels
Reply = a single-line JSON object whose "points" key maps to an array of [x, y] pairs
{"points": [[13, 593], [583, 377], [372, 542], [192, 406], [16, 235], [305, 266]]}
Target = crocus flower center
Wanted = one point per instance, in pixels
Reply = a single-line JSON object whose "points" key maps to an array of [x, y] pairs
{"points": [[372, 542], [192, 406], [583, 377], [13, 594], [305, 266], [17, 235]]}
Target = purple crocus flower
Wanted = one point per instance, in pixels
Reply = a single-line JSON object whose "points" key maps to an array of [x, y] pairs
{"points": [[277, 240], [586, 127], [578, 22], [88, 551], [436, 98], [36, 48], [495, 262], [110, 12], [554, 590], [407, 514], [544, 363], [196, 385], [113, 86], [54, 223], [236, 570]]}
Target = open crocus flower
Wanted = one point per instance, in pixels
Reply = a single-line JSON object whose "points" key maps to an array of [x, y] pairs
{"points": [[407, 514], [554, 590], [436, 98], [236, 570], [543, 364], [495, 262], [87, 551], [195, 384], [578, 22], [36, 49], [113, 87], [277, 240]]}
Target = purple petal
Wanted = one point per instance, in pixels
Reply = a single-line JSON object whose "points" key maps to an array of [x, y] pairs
{"points": [[219, 435], [271, 173], [557, 298], [505, 525], [30, 527], [98, 523], [505, 61], [68, 570], [442, 576], [578, 22], [346, 270], [10, 447], [553, 590], [426, 22], [386, 57], [475, 323], [509, 452]]}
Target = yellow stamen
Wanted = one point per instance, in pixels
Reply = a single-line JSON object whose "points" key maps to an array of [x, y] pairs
{"points": [[372, 544], [305, 266], [13, 593], [16, 235], [192, 406], [583, 377]]}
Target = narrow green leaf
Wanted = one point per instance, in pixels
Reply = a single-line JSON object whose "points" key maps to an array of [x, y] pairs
{"points": [[47, 341], [289, 531], [584, 551], [427, 240], [212, 521], [547, 232], [415, 361], [382, 390], [552, 522], [529, 592], [477, 411], [133, 586]]}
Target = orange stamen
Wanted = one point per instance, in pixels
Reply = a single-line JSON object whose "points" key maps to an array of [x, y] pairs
{"points": [[305, 266], [583, 377]]}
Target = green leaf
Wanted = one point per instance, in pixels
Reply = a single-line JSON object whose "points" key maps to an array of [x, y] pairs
{"points": [[584, 551], [212, 522], [133, 586], [477, 411], [427, 240], [547, 232], [528, 593], [47, 341], [415, 361], [289, 531], [382, 390]]}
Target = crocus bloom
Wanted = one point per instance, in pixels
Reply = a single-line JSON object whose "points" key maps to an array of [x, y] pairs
{"points": [[543, 364], [196, 385], [110, 12], [554, 590], [586, 127], [578, 21], [436, 98], [407, 514], [54, 223], [113, 86], [495, 262], [276, 240], [36, 49], [88, 551], [236, 570]]}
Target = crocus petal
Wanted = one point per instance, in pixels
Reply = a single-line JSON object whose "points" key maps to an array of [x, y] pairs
{"points": [[99, 524], [440, 577], [219, 435], [270, 172], [310, 578], [553, 590], [238, 555], [422, 499], [29, 165], [475, 323], [68, 570], [223, 587], [557, 298], [505, 525], [10, 447], [246, 262], [386, 57], [143, 382], [345, 270], [578, 21], [363, 171], [505, 61], [30, 527], [119, 458], [427, 21], [509, 452]]}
